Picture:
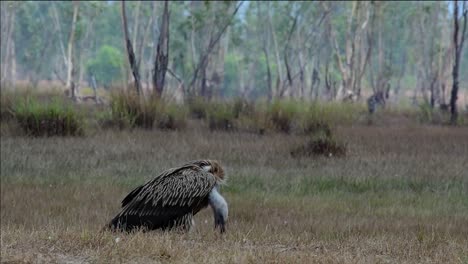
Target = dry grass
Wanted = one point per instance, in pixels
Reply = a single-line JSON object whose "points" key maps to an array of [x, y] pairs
{"points": [[399, 196]]}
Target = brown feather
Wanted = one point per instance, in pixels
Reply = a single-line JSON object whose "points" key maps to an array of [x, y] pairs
{"points": [[170, 199]]}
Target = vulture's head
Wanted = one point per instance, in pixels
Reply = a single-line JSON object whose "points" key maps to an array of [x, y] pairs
{"points": [[213, 167]]}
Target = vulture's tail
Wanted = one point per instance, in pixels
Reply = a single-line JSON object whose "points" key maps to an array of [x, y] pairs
{"points": [[129, 223]]}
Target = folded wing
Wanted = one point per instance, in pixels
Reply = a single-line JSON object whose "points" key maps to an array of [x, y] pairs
{"points": [[171, 199]]}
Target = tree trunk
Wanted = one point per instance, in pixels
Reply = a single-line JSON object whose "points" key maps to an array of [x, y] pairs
{"points": [[9, 25], [278, 60], [285, 87], [136, 22], [204, 59], [263, 34], [352, 64], [162, 54], [458, 43], [84, 52], [4, 21], [148, 63], [146, 33], [13, 60], [58, 28], [131, 54], [70, 58]]}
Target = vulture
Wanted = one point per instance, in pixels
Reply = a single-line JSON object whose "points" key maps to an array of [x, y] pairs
{"points": [[171, 199]]}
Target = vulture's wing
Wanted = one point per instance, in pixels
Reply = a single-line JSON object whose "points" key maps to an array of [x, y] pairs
{"points": [[171, 196]]}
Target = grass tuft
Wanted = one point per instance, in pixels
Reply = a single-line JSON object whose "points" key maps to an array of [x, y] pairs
{"points": [[325, 146], [172, 117], [282, 115], [198, 107], [220, 116], [7, 99], [130, 111], [56, 118]]}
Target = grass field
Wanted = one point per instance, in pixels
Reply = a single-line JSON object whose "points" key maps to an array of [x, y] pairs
{"points": [[399, 196]]}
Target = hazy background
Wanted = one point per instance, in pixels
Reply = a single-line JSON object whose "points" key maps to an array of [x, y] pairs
{"points": [[274, 49]]}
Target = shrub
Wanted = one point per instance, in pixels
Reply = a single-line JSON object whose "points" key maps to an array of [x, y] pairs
{"points": [[48, 119], [130, 111], [172, 117], [6, 106], [429, 115], [281, 115], [220, 117], [198, 107], [425, 113], [321, 141], [318, 128], [242, 107], [257, 122], [326, 146], [314, 122]]}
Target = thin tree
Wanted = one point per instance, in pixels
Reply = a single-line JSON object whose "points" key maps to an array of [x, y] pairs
{"points": [[458, 41], [131, 54], [162, 54], [214, 39], [70, 84], [7, 39]]}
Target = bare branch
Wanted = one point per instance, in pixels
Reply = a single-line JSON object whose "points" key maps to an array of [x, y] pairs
{"points": [[162, 54], [171, 72], [212, 43], [131, 54]]}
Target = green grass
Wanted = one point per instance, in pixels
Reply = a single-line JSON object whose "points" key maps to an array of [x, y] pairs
{"points": [[317, 185], [57, 118], [220, 116], [127, 110]]}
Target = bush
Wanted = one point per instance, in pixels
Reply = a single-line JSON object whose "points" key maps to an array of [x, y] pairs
{"points": [[220, 117], [320, 141], [6, 106], [242, 107], [173, 117], [314, 121], [258, 122], [325, 146], [281, 115], [48, 119], [130, 111], [198, 107], [425, 113]]}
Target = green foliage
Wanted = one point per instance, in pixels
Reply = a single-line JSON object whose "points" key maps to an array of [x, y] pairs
{"points": [[242, 107], [107, 65], [332, 113], [56, 118], [173, 117], [231, 73], [7, 99], [198, 107], [428, 115], [425, 113], [220, 116], [321, 141], [321, 145], [282, 114], [130, 111]]}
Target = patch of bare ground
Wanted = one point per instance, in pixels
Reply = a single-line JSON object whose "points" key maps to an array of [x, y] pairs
{"points": [[400, 195]]}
